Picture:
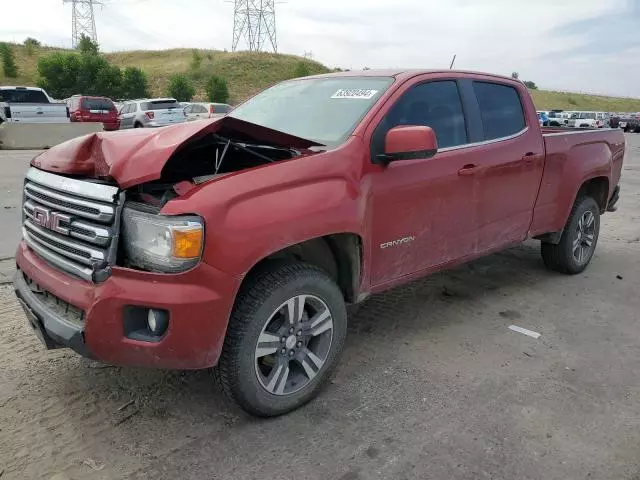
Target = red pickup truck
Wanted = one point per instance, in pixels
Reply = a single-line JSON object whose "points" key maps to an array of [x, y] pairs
{"points": [[237, 243]]}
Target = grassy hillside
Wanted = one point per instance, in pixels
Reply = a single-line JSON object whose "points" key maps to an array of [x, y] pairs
{"points": [[248, 73], [546, 100], [245, 72]]}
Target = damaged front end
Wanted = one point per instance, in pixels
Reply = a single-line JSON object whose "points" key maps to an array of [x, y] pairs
{"points": [[140, 172]]}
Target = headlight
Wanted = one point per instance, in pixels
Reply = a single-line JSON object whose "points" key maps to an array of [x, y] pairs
{"points": [[161, 243]]}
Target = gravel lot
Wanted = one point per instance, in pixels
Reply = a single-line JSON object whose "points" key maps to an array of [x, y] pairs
{"points": [[432, 385]]}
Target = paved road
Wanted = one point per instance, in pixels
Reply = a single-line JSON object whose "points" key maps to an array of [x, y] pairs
{"points": [[432, 385], [13, 166]]}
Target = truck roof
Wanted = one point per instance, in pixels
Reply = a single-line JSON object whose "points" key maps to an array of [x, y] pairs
{"points": [[8, 87], [405, 73]]}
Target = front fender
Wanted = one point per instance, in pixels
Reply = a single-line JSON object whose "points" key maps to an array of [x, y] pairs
{"points": [[252, 214]]}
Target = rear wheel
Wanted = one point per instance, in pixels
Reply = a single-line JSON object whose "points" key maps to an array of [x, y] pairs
{"points": [[137, 125], [578, 241], [285, 335]]}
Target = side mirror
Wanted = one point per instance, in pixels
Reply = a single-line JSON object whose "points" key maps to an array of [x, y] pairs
{"points": [[408, 143]]}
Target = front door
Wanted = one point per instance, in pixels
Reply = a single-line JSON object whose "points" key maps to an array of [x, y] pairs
{"points": [[420, 208]]}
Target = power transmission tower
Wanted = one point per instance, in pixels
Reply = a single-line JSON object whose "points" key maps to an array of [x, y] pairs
{"points": [[255, 20], [83, 21]]}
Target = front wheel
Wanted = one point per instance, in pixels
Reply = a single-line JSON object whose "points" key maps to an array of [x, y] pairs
{"points": [[285, 335], [578, 241]]}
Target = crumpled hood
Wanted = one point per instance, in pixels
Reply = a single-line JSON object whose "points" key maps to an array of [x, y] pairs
{"points": [[137, 156]]}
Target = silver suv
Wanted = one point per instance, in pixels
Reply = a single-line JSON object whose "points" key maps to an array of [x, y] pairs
{"points": [[154, 112]]}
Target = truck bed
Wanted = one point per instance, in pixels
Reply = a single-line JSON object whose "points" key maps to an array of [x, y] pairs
{"points": [[572, 157]]}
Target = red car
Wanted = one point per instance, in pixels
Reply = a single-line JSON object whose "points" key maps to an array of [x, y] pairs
{"points": [[238, 242], [94, 109]]}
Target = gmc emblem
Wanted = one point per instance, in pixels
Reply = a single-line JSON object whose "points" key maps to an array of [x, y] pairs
{"points": [[51, 220]]}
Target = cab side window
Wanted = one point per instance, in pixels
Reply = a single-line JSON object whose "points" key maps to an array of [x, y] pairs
{"points": [[500, 109], [432, 104]]}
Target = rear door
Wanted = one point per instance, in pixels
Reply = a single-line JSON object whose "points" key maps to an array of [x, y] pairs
{"points": [[506, 170], [127, 115]]}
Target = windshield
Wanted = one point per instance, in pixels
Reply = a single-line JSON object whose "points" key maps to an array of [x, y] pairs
{"points": [[588, 115], [23, 96], [325, 110]]}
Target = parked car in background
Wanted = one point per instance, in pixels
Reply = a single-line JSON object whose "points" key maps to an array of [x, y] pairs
{"points": [[239, 242], [602, 119], [583, 120], [198, 111], [84, 108], [149, 113], [559, 118], [30, 105], [630, 122], [543, 118]]}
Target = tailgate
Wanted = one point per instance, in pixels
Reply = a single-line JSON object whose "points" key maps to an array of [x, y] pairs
{"points": [[38, 113], [169, 115]]}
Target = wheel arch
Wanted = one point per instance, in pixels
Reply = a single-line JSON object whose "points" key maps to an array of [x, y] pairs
{"points": [[594, 187], [338, 254]]}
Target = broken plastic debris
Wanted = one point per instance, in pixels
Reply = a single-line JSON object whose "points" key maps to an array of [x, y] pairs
{"points": [[524, 331]]}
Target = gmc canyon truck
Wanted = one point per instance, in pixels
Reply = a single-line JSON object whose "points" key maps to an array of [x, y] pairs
{"points": [[238, 243]]}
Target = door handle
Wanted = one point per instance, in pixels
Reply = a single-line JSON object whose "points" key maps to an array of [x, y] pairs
{"points": [[529, 158], [469, 169]]}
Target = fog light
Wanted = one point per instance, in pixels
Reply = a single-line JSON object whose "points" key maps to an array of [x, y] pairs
{"points": [[157, 321]]}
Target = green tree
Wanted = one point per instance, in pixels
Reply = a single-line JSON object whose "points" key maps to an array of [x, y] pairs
{"points": [[531, 85], [217, 89], [66, 74], [98, 77], [108, 82], [87, 46], [8, 61], [59, 74], [180, 88], [30, 45], [134, 83], [302, 70]]}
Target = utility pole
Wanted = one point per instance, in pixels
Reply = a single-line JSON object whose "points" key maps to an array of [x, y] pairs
{"points": [[255, 21], [82, 20]]}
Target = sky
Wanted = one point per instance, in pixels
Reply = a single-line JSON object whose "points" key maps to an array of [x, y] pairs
{"points": [[571, 45]]}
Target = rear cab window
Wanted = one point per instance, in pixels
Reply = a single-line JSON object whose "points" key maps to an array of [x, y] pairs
{"points": [[500, 109], [19, 95]]}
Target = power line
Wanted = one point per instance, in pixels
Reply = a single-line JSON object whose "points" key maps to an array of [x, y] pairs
{"points": [[255, 21], [82, 20]]}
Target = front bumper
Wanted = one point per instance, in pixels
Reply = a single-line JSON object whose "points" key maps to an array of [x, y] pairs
{"points": [[198, 301], [53, 328]]}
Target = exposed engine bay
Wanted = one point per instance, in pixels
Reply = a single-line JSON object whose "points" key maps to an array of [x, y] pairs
{"points": [[203, 160]]}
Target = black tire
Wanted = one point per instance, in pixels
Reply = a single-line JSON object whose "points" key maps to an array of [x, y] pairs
{"points": [[261, 299], [137, 125], [564, 257]]}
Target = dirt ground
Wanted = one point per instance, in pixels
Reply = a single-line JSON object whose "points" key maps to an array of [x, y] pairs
{"points": [[432, 385]]}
